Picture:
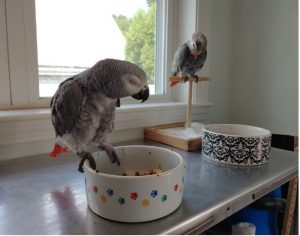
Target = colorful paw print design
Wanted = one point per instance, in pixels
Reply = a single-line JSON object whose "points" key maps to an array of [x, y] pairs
{"points": [[110, 192], [134, 195], [121, 200], [153, 193], [146, 202], [164, 198], [95, 189], [103, 198], [176, 187], [106, 194]]}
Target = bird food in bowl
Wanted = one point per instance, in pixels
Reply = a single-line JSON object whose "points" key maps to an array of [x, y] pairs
{"points": [[146, 186], [236, 144]]}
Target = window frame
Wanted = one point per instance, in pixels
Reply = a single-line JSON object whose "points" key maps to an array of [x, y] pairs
{"points": [[23, 59], [5, 97]]}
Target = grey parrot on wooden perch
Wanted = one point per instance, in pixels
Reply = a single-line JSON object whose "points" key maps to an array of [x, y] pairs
{"points": [[83, 107], [189, 57]]}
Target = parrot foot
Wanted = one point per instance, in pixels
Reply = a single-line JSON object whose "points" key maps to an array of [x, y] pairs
{"points": [[86, 156], [186, 78], [109, 149]]}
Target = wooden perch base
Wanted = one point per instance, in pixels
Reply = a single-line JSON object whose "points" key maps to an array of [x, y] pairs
{"points": [[160, 134], [184, 79]]}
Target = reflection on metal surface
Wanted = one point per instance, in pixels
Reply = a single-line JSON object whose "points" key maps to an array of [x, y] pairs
{"points": [[200, 227], [59, 205], [63, 198]]}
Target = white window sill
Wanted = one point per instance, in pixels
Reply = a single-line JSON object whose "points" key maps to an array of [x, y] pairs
{"points": [[30, 132], [44, 113], [21, 126]]}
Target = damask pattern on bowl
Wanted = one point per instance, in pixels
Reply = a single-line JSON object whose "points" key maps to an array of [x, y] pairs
{"points": [[236, 149]]}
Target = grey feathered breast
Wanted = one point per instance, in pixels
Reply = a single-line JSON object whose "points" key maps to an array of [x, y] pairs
{"points": [[190, 64]]}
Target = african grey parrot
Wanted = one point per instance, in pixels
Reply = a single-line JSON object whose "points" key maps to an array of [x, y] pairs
{"points": [[83, 107], [189, 58]]}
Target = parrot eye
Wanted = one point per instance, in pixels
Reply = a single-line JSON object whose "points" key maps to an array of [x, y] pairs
{"points": [[132, 81], [199, 44]]}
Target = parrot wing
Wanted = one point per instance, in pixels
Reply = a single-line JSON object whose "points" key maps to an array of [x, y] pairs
{"points": [[179, 57], [65, 106]]}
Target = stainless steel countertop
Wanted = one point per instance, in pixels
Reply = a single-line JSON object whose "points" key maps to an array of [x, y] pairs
{"points": [[43, 196]]}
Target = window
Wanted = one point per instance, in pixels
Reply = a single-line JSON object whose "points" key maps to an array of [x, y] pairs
{"points": [[51, 40], [82, 32], [4, 69]]}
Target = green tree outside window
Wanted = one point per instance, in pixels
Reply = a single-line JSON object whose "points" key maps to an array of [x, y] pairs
{"points": [[139, 32]]}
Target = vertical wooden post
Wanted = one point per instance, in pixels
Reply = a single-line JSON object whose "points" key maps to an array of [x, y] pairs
{"points": [[176, 79], [288, 219], [189, 105]]}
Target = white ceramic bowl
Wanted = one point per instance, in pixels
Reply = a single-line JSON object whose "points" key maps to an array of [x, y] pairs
{"points": [[135, 198], [236, 144]]}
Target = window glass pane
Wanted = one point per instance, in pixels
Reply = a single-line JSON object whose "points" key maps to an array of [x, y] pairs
{"points": [[73, 35]]}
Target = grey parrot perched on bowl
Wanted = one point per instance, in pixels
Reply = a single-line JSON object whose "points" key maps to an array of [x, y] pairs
{"points": [[83, 107], [189, 57]]}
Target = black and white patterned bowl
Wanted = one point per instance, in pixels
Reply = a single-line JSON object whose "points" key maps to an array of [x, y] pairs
{"points": [[236, 144]]}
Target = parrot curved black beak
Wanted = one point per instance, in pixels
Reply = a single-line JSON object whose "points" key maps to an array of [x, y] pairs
{"points": [[142, 95]]}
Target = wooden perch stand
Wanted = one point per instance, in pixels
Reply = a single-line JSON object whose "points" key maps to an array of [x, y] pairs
{"points": [[179, 140], [190, 94]]}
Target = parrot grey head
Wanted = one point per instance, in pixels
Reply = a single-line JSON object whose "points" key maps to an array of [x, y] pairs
{"points": [[118, 79], [197, 44]]}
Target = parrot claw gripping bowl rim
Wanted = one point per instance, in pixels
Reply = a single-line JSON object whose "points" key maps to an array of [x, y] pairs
{"points": [[236, 144], [135, 198]]}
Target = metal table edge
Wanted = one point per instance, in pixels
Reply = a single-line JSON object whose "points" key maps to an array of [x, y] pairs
{"points": [[203, 221]]}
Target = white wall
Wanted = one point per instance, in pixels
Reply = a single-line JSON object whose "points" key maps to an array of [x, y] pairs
{"points": [[255, 63], [221, 57]]}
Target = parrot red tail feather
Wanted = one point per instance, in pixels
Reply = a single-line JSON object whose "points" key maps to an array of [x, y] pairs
{"points": [[57, 149], [173, 83]]}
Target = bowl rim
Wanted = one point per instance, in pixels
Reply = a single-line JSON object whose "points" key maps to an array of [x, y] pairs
{"points": [[266, 131], [164, 173]]}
